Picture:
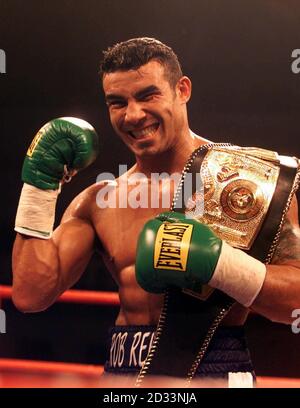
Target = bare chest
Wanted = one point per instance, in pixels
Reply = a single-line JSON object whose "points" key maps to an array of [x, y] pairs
{"points": [[118, 230]]}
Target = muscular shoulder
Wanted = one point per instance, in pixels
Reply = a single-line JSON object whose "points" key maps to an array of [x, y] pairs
{"points": [[81, 205], [85, 203], [288, 249]]}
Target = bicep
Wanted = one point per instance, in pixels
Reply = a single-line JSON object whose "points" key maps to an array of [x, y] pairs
{"points": [[288, 249], [74, 240]]}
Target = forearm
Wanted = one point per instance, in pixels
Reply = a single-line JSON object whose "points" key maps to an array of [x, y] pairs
{"points": [[280, 293], [36, 273], [45, 263]]}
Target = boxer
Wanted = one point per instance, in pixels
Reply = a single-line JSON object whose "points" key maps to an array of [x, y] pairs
{"points": [[146, 95]]}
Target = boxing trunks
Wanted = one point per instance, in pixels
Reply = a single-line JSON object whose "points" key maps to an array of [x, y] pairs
{"points": [[227, 352]]}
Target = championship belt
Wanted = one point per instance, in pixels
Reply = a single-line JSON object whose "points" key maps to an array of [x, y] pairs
{"points": [[244, 196]]}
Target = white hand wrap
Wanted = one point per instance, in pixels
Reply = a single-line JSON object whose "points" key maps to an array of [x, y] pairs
{"points": [[36, 212], [239, 275]]}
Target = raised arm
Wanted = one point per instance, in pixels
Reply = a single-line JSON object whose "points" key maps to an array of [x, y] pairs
{"points": [[44, 269], [45, 263]]}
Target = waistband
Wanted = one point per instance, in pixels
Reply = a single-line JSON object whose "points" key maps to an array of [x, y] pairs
{"points": [[227, 352]]}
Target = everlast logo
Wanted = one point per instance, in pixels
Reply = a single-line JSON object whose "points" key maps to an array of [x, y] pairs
{"points": [[172, 246], [36, 139]]}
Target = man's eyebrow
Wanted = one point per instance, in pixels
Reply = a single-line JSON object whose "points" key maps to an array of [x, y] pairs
{"points": [[112, 97], [142, 92], [146, 91]]}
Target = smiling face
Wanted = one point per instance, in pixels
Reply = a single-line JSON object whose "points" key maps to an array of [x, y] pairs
{"points": [[145, 111]]}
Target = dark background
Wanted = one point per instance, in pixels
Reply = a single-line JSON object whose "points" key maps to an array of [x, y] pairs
{"points": [[238, 55]]}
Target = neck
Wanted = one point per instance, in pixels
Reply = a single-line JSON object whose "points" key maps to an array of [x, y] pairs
{"points": [[172, 160]]}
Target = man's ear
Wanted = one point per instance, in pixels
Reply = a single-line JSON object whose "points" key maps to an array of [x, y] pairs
{"points": [[184, 89]]}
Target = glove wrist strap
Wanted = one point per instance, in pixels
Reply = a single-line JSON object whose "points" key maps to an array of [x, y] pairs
{"points": [[238, 274], [36, 212]]}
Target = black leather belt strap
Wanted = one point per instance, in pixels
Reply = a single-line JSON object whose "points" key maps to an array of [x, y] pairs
{"points": [[188, 321], [265, 238]]}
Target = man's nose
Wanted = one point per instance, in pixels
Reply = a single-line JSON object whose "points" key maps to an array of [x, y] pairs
{"points": [[134, 113]]}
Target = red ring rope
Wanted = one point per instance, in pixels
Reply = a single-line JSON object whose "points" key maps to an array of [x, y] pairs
{"points": [[29, 367], [76, 296]]}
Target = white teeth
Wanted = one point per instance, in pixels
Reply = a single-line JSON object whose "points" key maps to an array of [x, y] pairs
{"points": [[144, 132]]}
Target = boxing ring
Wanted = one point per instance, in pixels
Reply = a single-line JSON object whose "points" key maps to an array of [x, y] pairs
{"points": [[16, 373]]}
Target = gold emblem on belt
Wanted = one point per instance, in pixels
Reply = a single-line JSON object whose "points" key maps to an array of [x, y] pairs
{"points": [[239, 184], [242, 199]]}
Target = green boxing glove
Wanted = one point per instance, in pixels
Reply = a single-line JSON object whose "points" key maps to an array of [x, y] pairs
{"points": [[174, 250], [61, 148], [64, 143]]}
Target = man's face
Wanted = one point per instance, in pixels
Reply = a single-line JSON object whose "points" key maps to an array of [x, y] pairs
{"points": [[144, 110]]}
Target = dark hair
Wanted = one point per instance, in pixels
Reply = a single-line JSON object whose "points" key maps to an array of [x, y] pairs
{"points": [[134, 53]]}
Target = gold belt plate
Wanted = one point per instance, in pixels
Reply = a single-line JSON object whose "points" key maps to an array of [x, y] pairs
{"points": [[238, 190]]}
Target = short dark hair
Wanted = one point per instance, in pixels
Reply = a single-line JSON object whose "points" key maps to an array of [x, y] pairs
{"points": [[134, 53]]}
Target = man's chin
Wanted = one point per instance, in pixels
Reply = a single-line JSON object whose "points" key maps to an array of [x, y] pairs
{"points": [[147, 153], [145, 149]]}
